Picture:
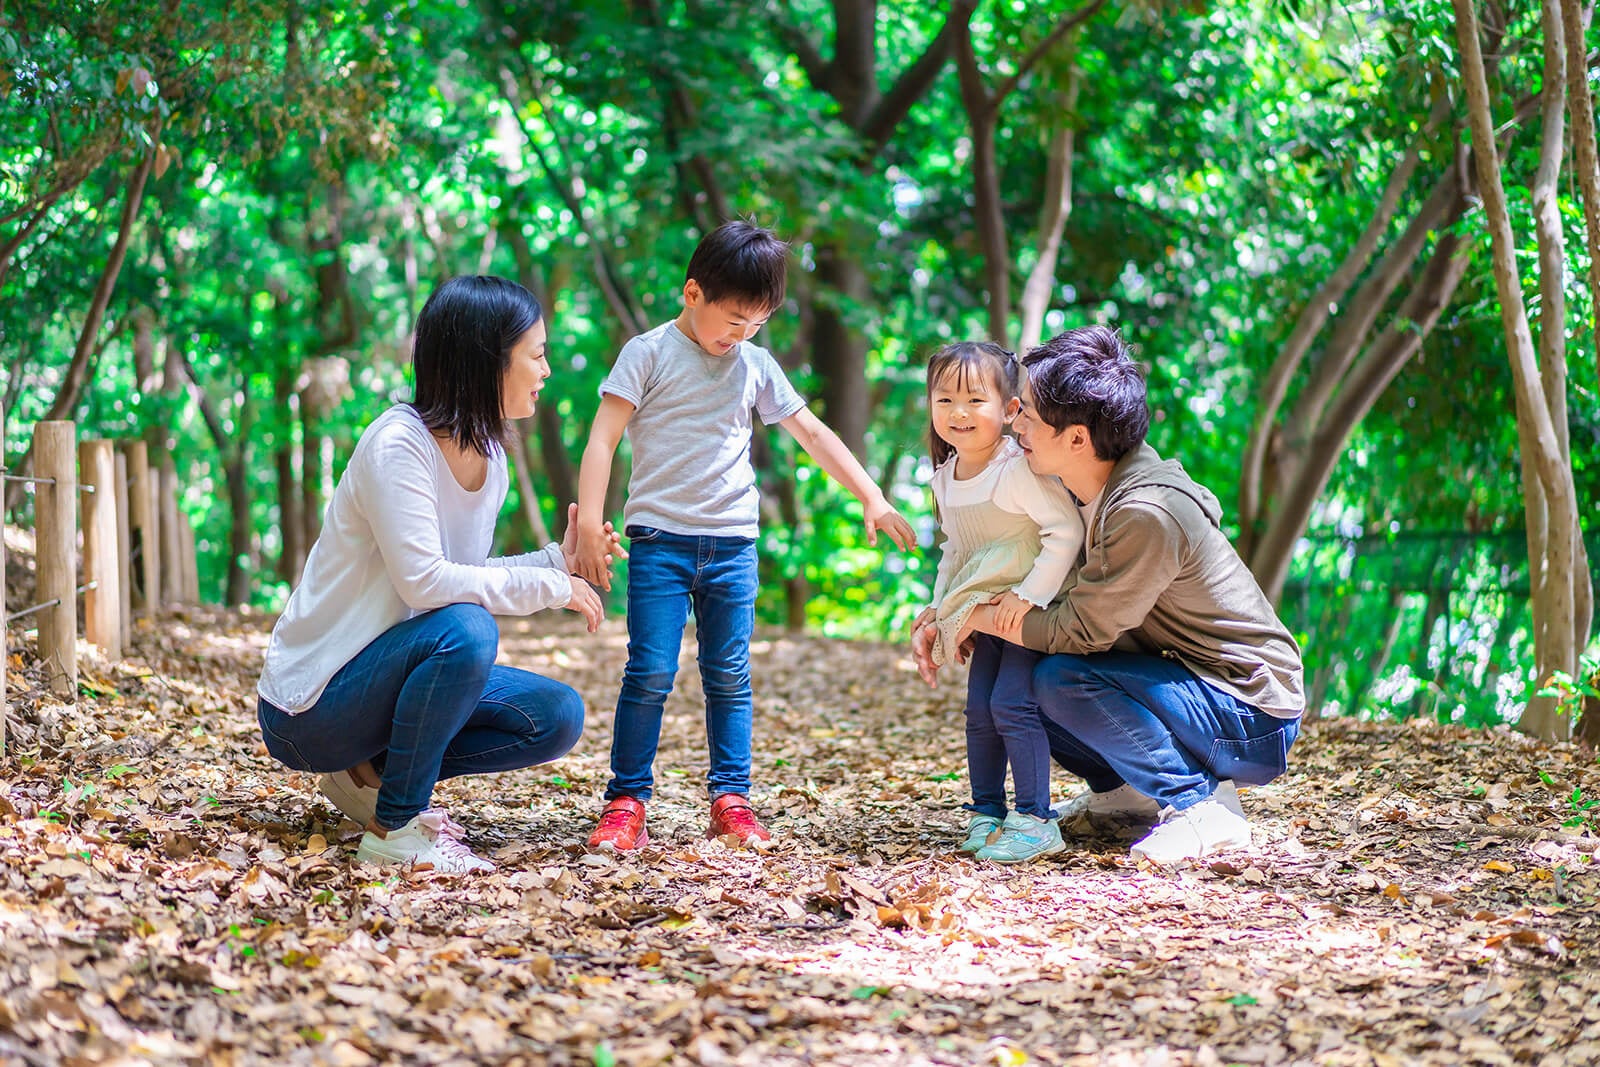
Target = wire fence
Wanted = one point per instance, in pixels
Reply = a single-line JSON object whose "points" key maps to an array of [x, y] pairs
{"points": [[107, 529]]}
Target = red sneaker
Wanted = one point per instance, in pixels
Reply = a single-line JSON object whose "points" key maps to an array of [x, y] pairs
{"points": [[731, 813], [621, 826]]}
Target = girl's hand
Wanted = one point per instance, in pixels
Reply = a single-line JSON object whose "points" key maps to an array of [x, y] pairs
{"points": [[1009, 609], [922, 650], [923, 618], [880, 516], [586, 602]]}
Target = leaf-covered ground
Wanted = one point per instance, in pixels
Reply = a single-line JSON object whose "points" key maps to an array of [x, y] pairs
{"points": [[169, 895]]}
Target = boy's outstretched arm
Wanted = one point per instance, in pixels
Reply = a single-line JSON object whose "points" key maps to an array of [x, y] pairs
{"points": [[824, 446], [594, 476]]}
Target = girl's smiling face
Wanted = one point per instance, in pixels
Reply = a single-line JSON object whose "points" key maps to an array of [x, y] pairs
{"points": [[969, 411]]}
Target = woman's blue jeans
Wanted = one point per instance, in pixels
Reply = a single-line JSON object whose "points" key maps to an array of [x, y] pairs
{"points": [[1004, 727], [1149, 721], [668, 574], [424, 701]]}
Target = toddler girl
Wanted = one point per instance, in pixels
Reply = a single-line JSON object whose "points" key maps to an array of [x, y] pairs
{"points": [[1011, 537]]}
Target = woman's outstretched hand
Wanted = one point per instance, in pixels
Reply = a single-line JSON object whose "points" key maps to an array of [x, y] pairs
{"points": [[586, 602]]}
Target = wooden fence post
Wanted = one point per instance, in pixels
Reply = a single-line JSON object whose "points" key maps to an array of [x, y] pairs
{"points": [[142, 518], [102, 600], [55, 520], [191, 562], [171, 538], [124, 543]]}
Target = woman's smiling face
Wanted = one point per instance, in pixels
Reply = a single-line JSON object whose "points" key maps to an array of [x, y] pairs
{"points": [[526, 373]]}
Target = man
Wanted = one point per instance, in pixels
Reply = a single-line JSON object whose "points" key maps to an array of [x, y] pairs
{"points": [[1170, 676]]}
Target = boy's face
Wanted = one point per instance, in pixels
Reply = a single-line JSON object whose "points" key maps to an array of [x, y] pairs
{"points": [[718, 326]]}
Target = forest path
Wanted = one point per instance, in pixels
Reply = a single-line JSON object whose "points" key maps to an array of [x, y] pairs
{"points": [[168, 894]]}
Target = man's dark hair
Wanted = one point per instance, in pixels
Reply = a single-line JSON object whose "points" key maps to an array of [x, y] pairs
{"points": [[1085, 377], [742, 263], [464, 337]]}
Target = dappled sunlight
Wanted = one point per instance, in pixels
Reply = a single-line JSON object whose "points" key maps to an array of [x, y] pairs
{"points": [[1410, 890]]}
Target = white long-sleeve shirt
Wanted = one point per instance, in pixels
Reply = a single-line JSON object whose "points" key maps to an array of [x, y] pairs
{"points": [[1011, 486], [401, 537]]}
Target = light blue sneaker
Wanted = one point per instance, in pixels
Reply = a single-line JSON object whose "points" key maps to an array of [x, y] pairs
{"points": [[980, 828], [1022, 838]]}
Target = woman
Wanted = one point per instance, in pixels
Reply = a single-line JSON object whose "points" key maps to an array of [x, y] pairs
{"points": [[381, 669]]}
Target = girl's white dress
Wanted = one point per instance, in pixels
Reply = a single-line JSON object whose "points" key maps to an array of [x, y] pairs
{"points": [[1006, 529]]}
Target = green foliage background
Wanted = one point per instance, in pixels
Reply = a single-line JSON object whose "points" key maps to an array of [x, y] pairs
{"points": [[322, 166]]}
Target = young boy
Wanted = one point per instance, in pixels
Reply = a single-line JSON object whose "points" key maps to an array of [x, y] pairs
{"points": [[684, 392]]}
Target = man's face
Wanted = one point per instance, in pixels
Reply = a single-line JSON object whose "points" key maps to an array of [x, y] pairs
{"points": [[1049, 451]]}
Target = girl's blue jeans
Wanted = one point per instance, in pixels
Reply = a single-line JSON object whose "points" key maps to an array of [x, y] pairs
{"points": [[1004, 726], [668, 574], [424, 701], [1149, 721]]}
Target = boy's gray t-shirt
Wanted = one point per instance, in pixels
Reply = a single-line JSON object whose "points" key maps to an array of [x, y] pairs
{"points": [[690, 430]]}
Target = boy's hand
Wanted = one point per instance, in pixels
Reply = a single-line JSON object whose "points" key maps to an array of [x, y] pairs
{"points": [[569, 542], [586, 602], [593, 563], [880, 516], [1009, 609]]}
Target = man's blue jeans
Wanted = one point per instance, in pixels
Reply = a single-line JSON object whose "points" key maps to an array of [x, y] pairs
{"points": [[1117, 717], [1004, 727], [667, 574], [424, 701]]}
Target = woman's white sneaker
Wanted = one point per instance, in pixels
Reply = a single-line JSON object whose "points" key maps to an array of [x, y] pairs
{"points": [[431, 838], [1207, 827], [355, 801]]}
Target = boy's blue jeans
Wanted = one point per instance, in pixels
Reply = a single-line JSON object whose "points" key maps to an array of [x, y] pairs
{"points": [[667, 574], [1004, 726], [425, 700], [1116, 717]]}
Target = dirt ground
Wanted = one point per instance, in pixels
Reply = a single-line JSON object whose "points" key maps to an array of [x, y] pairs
{"points": [[1417, 894]]}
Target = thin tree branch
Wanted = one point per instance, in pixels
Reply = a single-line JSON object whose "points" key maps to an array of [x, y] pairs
{"points": [[915, 81], [1065, 25]]}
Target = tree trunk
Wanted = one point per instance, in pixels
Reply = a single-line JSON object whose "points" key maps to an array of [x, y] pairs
{"points": [[1275, 387], [1315, 463], [840, 352], [291, 527], [1053, 215], [989, 215], [1553, 605], [1585, 165], [77, 373], [851, 79], [526, 493]]}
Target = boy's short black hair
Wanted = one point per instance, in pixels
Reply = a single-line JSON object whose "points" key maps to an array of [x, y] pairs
{"points": [[1086, 377], [464, 337], [742, 263]]}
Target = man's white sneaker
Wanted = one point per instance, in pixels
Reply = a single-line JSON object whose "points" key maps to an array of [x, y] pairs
{"points": [[431, 838], [1227, 794], [356, 801], [1207, 827], [1119, 807]]}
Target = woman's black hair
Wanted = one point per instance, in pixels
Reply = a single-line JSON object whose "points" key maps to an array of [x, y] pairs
{"points": [[464, 337], [968, 360]]}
